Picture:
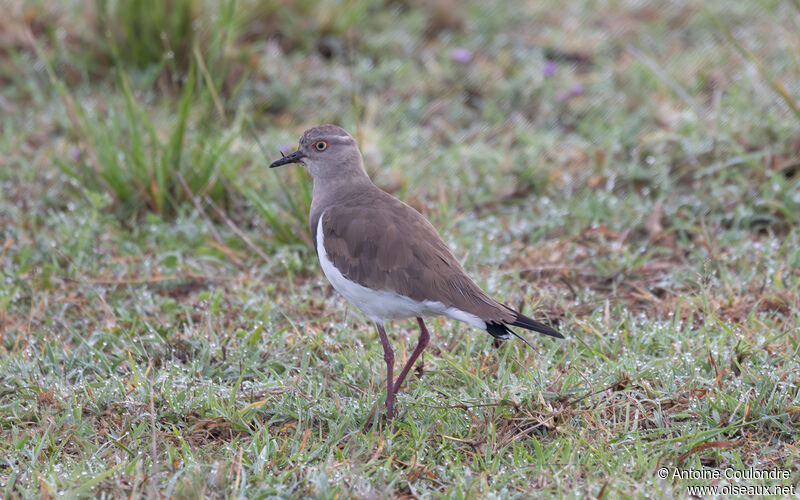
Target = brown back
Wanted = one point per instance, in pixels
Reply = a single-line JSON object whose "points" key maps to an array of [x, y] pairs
{"points": [[381, 243]]}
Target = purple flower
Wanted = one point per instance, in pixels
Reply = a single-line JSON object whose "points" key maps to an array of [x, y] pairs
{"points": [[549, 69], [563, 95], [75, 152], [286, 148], [461, 55]]}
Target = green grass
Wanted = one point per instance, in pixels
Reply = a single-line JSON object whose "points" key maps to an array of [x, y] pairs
{"points": [[157, 338]]}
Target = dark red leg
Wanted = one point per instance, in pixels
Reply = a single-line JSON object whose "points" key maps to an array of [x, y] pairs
{"points": [[424, 337], [388, 356]]}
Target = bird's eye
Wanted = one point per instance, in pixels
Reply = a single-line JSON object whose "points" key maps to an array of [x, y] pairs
{"points": [[321, 145]]}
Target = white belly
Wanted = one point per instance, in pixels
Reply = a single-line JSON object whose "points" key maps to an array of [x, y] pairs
{"points": [[380, 305]]}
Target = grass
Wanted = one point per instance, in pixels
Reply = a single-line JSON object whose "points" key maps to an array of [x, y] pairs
{"points": [[628, 173]]}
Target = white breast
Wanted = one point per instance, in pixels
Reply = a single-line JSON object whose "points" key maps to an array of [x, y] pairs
{"points": [[380, 305]]}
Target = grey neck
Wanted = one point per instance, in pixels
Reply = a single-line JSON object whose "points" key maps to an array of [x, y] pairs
{"points": [[330, 191]]}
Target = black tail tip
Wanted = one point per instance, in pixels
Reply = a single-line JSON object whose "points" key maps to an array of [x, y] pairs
{"points": [[501, 331], [523, 321]]}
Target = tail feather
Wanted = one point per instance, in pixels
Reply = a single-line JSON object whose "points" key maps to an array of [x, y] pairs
{"points": [[502, 331], [523, 321]]}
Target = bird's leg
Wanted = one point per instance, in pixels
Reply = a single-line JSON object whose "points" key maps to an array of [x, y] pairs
{"points": [[424, 337], [388, 356]]}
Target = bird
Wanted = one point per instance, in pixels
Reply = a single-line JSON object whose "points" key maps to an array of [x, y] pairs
{"points": [[385, 257]]}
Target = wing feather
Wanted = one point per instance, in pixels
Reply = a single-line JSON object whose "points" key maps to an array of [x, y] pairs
{"points": [[384, 244]]}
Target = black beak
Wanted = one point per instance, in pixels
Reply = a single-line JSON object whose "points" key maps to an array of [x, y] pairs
{"points": [[290, 158]]}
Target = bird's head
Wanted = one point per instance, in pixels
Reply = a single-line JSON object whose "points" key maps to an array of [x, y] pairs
{"points": [[326, 151]]}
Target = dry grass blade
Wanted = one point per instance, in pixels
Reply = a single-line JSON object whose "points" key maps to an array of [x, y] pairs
{"points": [[705, 446]]}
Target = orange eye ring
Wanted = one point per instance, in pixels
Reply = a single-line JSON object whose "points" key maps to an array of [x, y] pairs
{"points": [[321, 145]]}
